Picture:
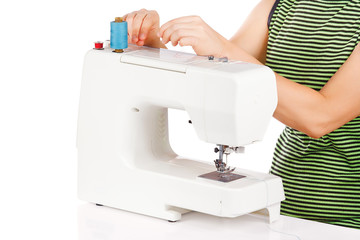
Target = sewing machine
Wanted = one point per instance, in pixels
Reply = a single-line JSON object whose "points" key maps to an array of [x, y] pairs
{"points": [[125, 160]]}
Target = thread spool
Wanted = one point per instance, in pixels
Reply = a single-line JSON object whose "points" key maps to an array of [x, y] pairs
{"points": [[99, 45], [118, 35]]}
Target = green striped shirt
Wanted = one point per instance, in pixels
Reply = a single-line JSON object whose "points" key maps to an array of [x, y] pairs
{"points": [[308, 42]]}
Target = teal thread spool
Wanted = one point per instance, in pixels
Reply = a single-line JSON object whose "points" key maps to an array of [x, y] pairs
{"points": [[118, 35]]}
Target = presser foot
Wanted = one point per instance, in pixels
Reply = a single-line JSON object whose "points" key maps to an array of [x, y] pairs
{"points": [[225, 170], [223, 173], [221, 166]]}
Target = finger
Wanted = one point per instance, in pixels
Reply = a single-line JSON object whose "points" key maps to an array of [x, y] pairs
{"points": [[129, 20], [188, 41], [173, 28], [124, 17], [137, 22], [178, 29], [140, 43], [180, 34], [187, 19], [148, 23]]}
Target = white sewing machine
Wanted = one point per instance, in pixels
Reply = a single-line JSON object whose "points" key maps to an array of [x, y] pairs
{"points": [[125, 160]]}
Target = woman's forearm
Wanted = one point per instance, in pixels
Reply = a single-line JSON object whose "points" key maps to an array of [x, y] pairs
{"points": [[302, 108], [299, 107]]}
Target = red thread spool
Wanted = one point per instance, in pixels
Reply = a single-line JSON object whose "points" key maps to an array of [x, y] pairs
{"points": [[99, 45]]}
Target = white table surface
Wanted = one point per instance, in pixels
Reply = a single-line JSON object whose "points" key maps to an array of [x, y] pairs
{"points": [[100, 223]]}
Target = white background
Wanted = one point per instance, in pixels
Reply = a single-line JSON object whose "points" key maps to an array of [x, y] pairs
{"points": [[42, 48]]}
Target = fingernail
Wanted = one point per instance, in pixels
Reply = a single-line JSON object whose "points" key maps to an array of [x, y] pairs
{"points": [[142, 36], [134, 38]]}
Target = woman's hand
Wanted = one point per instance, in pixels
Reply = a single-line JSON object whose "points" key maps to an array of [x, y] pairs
{"points": [[193, 31], [143, 28]]}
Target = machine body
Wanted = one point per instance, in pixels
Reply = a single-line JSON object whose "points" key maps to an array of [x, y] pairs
{"points": [[125, 160]]}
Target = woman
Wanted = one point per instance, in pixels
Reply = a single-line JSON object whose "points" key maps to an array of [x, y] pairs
{"points": [[312, 46]]}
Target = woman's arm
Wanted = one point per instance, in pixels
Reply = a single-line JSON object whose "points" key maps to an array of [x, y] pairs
{"points": [[319, 113], [309, 111], [252, 36], [300, 107]]}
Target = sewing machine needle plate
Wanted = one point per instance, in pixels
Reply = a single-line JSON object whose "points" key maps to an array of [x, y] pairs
{"points": [[222, 177]]}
